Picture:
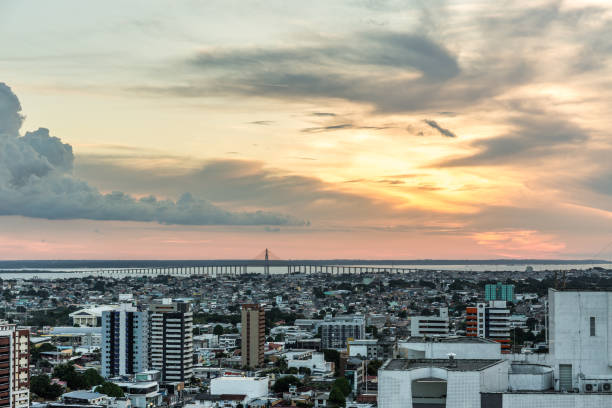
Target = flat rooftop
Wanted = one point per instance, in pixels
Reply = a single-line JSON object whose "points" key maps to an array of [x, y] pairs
{"points": [[451, 339], [447, 364]]}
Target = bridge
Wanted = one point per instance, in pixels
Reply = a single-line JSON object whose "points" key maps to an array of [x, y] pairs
{"points": [[264, 263]]}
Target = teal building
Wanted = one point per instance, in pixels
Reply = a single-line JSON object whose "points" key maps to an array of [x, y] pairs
{"points": [[499, 291]]}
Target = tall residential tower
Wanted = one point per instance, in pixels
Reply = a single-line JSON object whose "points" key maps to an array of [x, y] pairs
{"points": [[14, 366], [253, 335], [171, 340], [124, 341]]}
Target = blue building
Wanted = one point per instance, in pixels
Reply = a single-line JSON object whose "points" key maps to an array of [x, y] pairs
{"points": [[124, 342]]}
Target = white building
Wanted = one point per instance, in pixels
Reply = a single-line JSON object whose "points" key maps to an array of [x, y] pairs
{"points": [[366, 348], [252, 387], [430, 325], [461, 347], [580, 325], [454, 383], [142, 394], [310, 359], [91, 316]]}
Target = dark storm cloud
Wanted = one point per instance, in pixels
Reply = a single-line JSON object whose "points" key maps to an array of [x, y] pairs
{"points": [[444, 132], [36, 181], [533, 138]]}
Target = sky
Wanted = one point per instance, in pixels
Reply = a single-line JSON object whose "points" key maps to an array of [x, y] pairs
{"points": [[371, 129]]}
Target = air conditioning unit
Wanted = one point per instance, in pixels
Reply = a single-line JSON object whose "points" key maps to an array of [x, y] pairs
{"points": [[591, 387], [606, 387]]}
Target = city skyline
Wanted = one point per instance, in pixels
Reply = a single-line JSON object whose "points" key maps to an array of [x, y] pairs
{"points": [[352, 129]]}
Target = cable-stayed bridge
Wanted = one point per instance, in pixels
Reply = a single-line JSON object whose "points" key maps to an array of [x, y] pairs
{"points": [[266, 262]]}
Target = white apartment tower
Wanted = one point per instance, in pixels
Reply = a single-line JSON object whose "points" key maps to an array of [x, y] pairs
{"points": [[171, 340]]}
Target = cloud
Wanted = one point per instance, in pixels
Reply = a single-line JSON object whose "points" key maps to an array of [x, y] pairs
{"points": [[322, 114], [393, 71], [243, 184], [262, 122], [444, 132], [533, 137], [36, 181], [327, 128]]}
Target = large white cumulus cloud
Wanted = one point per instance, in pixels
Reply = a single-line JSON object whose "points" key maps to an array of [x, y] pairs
{"points": [[36, 181]]}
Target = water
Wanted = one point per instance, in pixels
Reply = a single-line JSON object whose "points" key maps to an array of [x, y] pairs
{"points": [[64, 273]]}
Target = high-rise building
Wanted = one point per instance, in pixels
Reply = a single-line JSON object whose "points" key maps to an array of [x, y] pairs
{"points": [[124, 341], [171, 340], [335, 331], [427, 326], [253, 335], [14, 366], [499, 291], [492, 321]]}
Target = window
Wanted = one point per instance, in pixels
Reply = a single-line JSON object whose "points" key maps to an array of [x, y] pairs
{"points": [[592, 326]]}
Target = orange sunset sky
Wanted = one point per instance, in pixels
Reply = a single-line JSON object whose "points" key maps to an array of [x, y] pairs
{"points": [[321, 129]]}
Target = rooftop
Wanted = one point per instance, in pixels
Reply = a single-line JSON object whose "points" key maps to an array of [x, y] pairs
{"points": [[84, 395], [448, 364], [452, 339]]}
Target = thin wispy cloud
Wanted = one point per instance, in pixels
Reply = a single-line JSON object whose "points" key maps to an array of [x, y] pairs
{"points": [[443, 131]]}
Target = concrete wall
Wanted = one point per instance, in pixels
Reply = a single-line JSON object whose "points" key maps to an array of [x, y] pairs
{"points": [[249, 386], [495, 378], [529, 377], [394, 389], [561, 400], [462, 390], [570, 339]]}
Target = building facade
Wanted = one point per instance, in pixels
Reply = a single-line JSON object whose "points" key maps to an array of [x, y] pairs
{"points": [[430, 325], [171, 340], [499, 291], [580, 340], [125, 339], [253, 335], [439, 382], [490, 321], [335, 331], [14, 366]]}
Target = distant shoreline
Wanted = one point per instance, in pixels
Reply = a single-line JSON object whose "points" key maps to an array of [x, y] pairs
{"points": [[45, 265]]}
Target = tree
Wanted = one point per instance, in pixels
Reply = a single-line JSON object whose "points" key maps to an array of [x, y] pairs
{"points": [[92, 377], [373, 330], [110, 389], [373, 367], [304, 370], [218, 330], [42, 387], [343, 385], [332, 356], [336, 396], [283, 383]]}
